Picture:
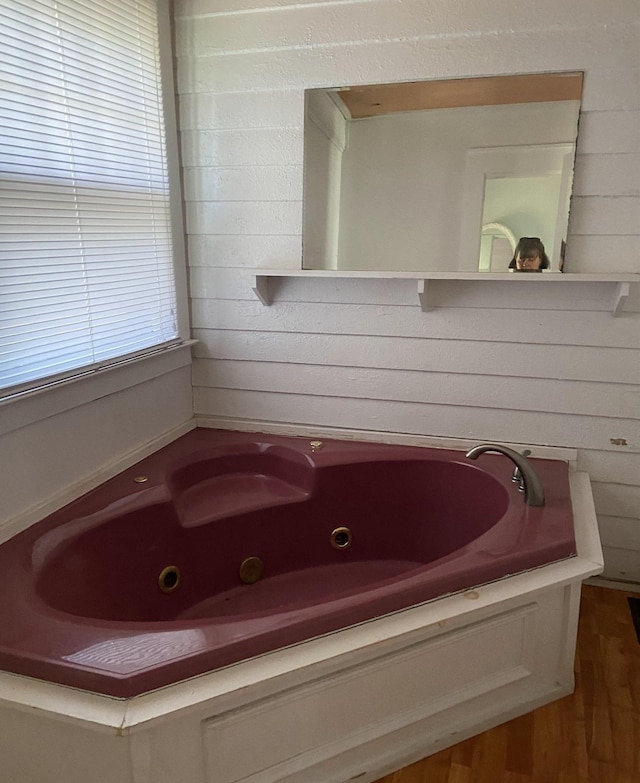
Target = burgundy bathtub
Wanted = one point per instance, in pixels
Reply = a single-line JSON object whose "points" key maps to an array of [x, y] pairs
{"points": [[141, 583]]}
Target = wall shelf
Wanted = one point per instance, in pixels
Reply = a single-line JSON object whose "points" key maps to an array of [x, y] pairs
{"points": [[623, 282]]}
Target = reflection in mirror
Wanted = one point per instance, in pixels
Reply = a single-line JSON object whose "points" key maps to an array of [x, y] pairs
{"points": [[497, 247], [408, 176]]}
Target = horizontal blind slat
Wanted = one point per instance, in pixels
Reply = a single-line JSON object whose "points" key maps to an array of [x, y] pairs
{"points": [[86, 266], [69, 63]]}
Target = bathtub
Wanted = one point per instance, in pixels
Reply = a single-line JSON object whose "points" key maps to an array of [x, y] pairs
{"points": [[226, 552], [85, 606]]}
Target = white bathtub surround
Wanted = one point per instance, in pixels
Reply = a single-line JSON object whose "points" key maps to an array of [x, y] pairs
{"points": [[356, 703]]}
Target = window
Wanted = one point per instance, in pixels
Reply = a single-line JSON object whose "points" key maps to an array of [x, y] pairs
{"points": [[86, 250]]}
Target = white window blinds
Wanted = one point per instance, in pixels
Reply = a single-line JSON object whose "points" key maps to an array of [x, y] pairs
{"points": [[86, 268]]}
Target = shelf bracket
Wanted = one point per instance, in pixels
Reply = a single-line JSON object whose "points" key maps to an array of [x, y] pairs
{"points": [[261, 289], [622, 292], [423, 286]]}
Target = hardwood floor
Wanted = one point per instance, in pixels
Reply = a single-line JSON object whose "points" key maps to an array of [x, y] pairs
{"points": [[592, 736]]}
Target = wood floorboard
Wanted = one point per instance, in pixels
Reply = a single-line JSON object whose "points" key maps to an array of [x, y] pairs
{"points": [[591, 736]]}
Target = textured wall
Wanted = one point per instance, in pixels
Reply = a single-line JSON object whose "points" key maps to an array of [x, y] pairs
{"points": [[545, 365], [80, 439]]}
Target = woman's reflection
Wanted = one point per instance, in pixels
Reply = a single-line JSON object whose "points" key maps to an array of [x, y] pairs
{"points": [[529, 256]]}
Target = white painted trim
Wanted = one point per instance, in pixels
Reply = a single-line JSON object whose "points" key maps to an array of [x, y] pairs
{"points": [[587, 537], [423, 294], [16, 524], [621, 296], [498, 229], [398, 438], [260, 288], [326, 113], [178, 226]]}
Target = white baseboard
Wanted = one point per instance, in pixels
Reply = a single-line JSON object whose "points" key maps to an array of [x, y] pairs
{"points": [[614, 584]]}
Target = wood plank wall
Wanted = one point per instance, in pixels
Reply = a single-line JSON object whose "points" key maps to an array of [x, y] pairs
{"points": [[488, 362]]}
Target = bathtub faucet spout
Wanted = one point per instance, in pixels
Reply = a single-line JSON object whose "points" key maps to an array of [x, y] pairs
{"points": [[533, 492]]}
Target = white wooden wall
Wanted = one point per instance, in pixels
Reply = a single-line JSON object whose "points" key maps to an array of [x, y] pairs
{"points": [[79, 438], [491, 361]]}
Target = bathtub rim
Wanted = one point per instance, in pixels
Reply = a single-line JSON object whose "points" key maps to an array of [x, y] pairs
{"points": [[14, 525], [247, 680], [538, 450]]}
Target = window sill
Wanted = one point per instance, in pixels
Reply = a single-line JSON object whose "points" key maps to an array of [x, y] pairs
{"points": [[45, 402]]}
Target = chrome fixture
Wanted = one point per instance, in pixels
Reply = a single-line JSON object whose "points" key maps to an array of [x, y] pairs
{"points": [[517, 476], [533, 492]]}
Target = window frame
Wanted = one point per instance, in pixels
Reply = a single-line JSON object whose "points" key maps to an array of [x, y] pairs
{"points": [[47, 398]]}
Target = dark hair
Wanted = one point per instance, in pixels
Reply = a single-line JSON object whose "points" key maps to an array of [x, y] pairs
{"points": [[528, 247]]}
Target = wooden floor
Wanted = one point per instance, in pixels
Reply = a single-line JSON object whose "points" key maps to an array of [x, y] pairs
{"points": [[592, 736]]}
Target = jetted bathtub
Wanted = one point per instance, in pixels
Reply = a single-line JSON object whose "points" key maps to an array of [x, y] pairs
{"points": [[224, 545]]}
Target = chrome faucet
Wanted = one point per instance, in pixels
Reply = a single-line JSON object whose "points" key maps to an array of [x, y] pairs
{"points": [[526, 475], [516, 476]]}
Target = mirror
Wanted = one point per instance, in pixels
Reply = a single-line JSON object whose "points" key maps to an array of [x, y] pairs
{"points": [[441, 175]]}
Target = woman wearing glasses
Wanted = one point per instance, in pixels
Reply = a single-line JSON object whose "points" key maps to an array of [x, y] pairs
{"points": [[529, 256]]}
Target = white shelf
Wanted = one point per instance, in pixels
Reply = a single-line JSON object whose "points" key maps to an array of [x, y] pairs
{"points": [[623, 282]]}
